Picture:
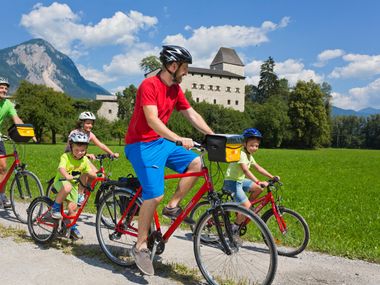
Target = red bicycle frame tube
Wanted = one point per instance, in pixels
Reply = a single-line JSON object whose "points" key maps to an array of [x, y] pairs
{"points": [[15, 163], [263, 201]]}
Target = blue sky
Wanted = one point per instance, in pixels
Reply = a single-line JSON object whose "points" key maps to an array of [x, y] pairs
{"points": [[333, 41]]}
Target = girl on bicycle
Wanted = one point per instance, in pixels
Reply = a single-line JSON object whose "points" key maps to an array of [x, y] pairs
{"points": [[70, 163], [239, 178], [85, 124]]}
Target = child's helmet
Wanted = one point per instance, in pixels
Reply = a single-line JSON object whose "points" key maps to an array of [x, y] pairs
{"points": [[252, 133], [79, 137], [172, 53], [4, 81], [87, 116]]}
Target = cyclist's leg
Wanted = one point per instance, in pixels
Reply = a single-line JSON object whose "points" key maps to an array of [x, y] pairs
{"points": [[85, 180], [255, 190], [241, 198], [181, 161], [148, 161]]}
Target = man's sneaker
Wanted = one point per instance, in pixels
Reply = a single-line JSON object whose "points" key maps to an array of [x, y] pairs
{"points": [[75, 234], [173, 213], [5, 202], [80, 199], [236, 234], [56, 214], [142, 260]]}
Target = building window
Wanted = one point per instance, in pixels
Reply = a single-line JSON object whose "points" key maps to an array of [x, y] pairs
{"points": [[237, 90], [202, 87], [228, 102], [217, 88], [214, 101], [194, 86], [228, 89], [197, 100], [210, 87], [236, 102], [109, 111]]}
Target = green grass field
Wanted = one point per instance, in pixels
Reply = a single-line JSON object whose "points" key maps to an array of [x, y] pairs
{"points": [[334, 189]]}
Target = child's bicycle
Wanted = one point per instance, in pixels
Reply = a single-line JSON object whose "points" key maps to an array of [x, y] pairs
{"points": [[25, 185], [289, 229], [230, 258], [43, 228]]}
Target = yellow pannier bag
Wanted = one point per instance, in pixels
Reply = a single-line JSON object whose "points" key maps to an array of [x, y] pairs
{"points": [[21, 132], [224, 147]]}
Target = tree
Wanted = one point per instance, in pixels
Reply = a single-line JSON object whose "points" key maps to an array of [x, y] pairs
{"points": [[45, 108], [150, 63], [309, 121], [347, 131], [126, 103], [372, 132], [268, 84]]}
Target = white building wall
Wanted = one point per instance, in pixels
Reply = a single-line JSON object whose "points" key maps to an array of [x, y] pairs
{"points": [[226, 91], [237, 69], [109, 107]]}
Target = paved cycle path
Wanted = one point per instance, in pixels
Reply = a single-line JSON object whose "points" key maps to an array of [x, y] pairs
{"points": [[28, 263]]}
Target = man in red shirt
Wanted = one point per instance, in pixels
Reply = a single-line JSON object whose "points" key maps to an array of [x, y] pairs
{"points": [[150, 145]]}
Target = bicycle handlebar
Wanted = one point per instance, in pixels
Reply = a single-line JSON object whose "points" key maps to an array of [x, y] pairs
{"points": [[104, 156], [197, 145]]}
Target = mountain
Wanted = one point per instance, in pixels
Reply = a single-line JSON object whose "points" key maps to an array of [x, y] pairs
{"points": [[363, 112], [40, 63]]}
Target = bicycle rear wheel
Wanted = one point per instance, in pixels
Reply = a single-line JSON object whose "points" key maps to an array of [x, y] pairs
{"points": [[117, 243], [42, 227], [24, 188], [296, 236], [252, 258]]}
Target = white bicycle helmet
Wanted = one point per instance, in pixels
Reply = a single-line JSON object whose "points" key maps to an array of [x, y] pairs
{"points": [[4, 81], [79, 137], [87, 116]]}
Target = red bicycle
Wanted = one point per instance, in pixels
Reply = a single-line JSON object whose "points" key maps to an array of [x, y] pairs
{"points": [[228, 258], [43, 228], [25, 185], [289, 229]]}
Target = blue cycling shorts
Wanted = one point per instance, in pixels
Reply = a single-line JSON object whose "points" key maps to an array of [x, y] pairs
{"points": [[149, 160]]}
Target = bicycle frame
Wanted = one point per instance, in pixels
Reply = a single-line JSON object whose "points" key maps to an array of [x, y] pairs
{"points": [[16, 163], [206, 187], [263, 201]]}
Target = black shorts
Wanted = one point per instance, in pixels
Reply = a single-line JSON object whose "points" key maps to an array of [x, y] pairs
{"points": [[2, 148]]}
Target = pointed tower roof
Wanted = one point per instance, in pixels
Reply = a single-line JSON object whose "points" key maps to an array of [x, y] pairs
{"points": [[227, 55]]}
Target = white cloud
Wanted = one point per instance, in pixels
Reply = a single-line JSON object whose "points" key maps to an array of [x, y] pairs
{"points": [[291, 69], [94, 75], [129, 63], [359, 66], [59, 25], [359, 97], [327, 55], [205, 41]]}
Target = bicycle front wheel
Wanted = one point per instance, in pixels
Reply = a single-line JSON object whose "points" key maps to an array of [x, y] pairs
{"points": [[235, 257], [117, 241], [24, 188], [295, 237]]}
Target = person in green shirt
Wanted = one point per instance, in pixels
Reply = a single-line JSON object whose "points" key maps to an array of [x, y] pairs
{"points": [[7, 109], [239, 178], [71, 163]]}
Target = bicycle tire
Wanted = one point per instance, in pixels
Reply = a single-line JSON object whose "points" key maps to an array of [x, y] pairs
{"points": [[25, 187], [252, 261], [115, 245], [297, 235], [41, 226], [51, 192]]}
